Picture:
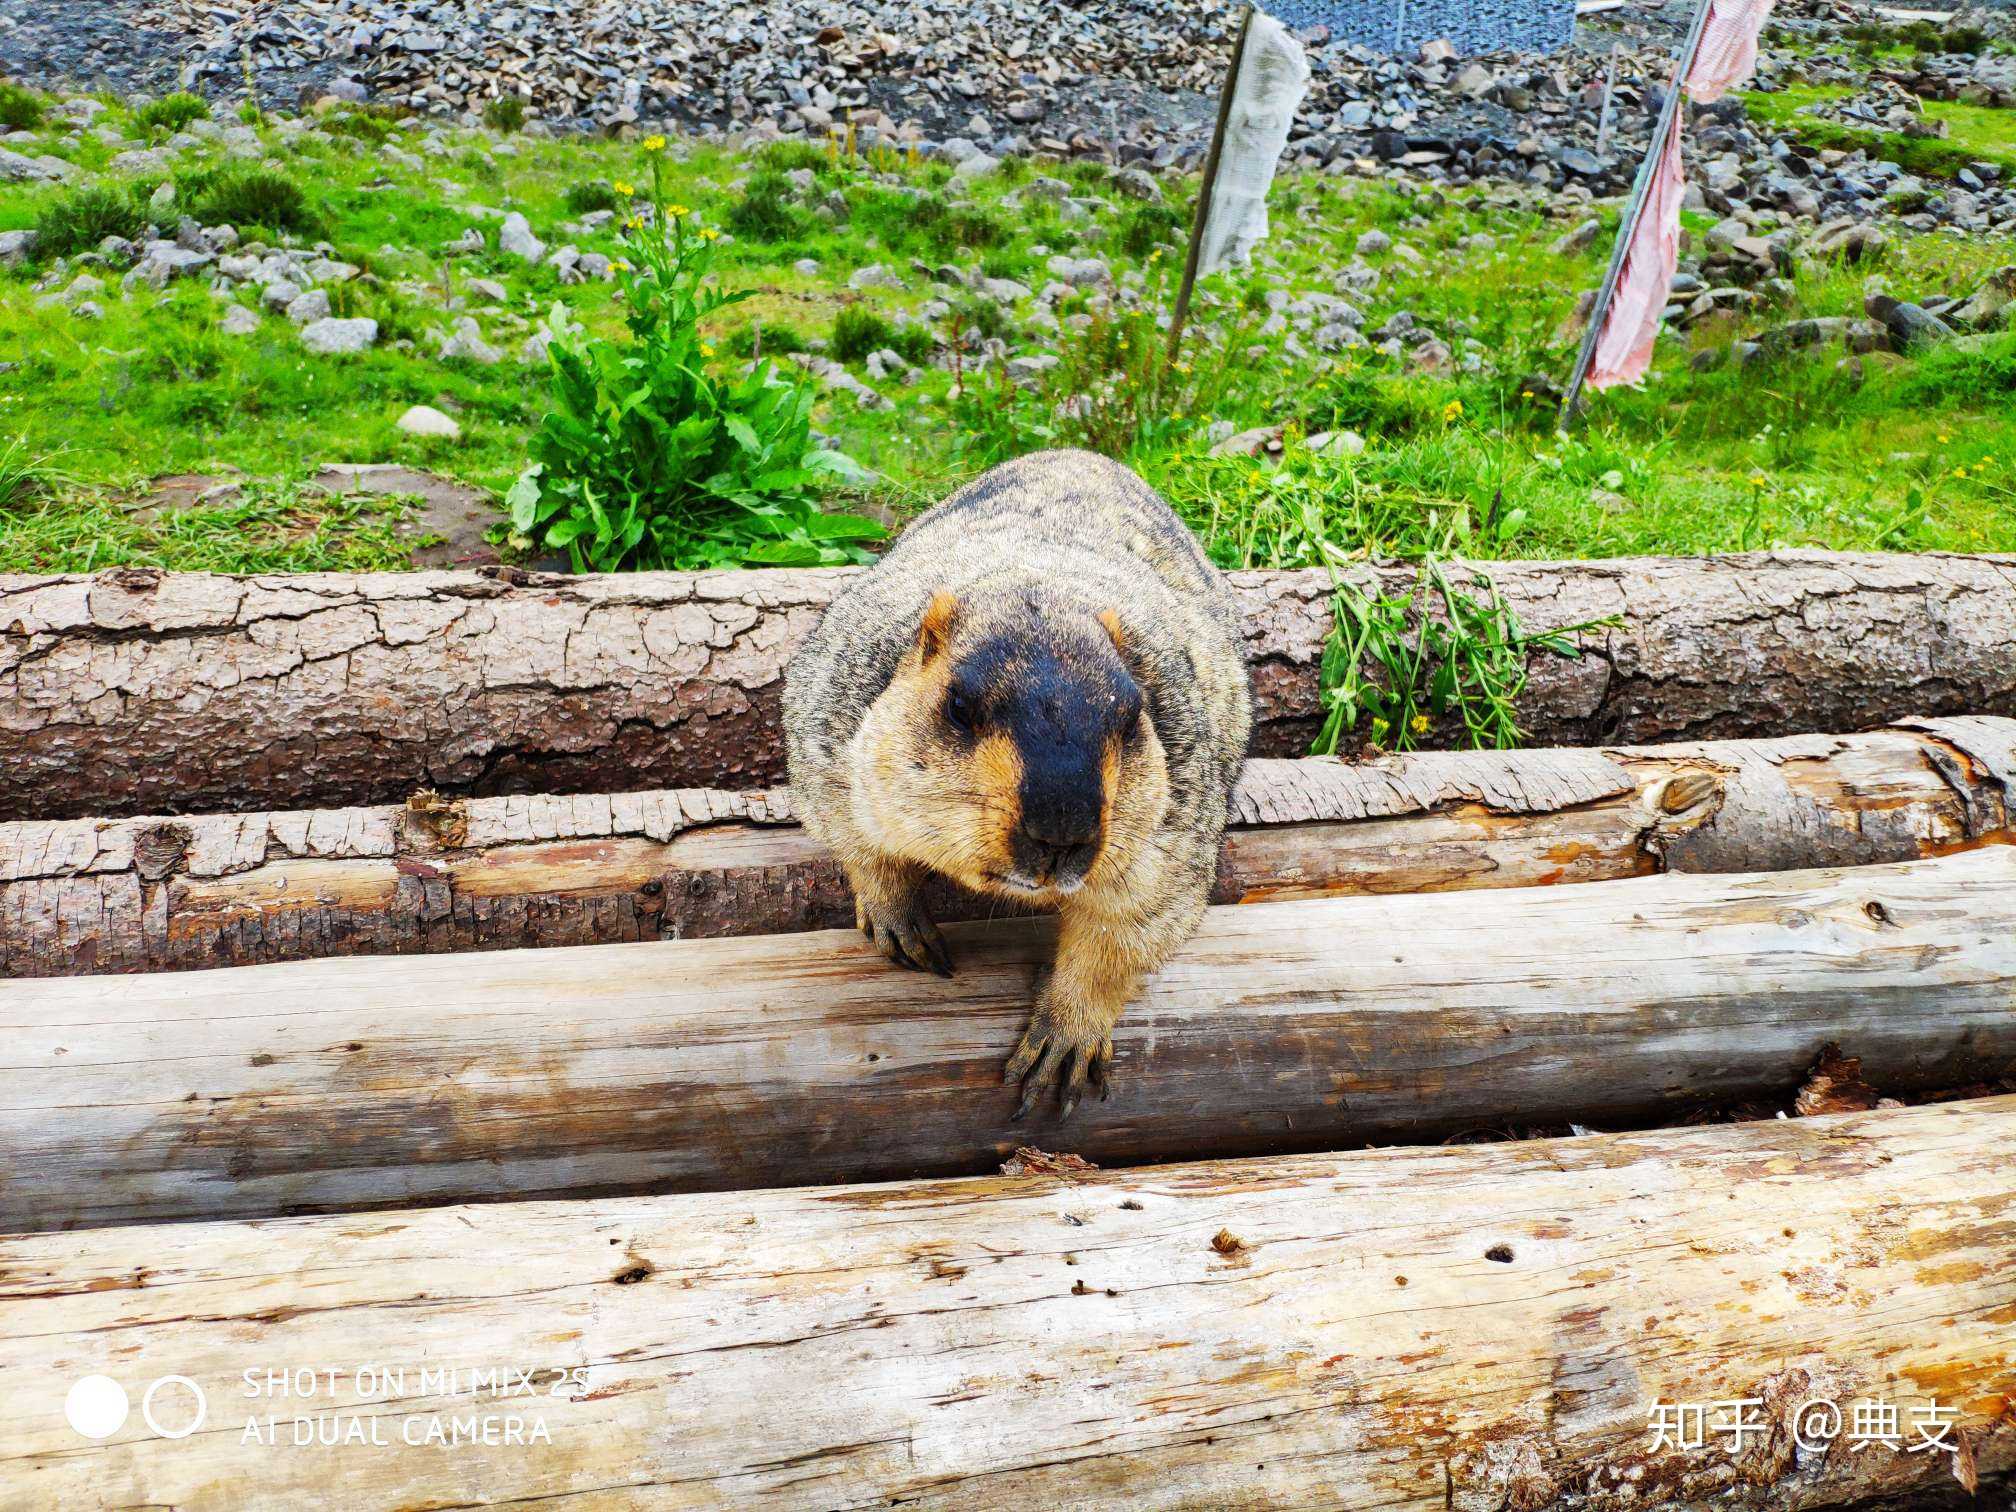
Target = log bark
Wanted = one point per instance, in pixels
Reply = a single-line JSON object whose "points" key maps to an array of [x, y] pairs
{"points": [[137, 691], [713, 1064], [1472, 1328], [82, 896]]}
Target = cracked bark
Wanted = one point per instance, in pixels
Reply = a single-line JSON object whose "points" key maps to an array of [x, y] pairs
{"points": [[718, 1064], [1043, 1341], [139, 691], [163, 893]]}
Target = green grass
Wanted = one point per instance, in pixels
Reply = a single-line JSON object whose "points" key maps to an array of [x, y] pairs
{"points": [[1975, 133], [1918, 455]]}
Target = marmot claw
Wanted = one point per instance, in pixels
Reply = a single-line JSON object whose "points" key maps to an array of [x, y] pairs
{"points": [[908, 938], [1073, 1060]]}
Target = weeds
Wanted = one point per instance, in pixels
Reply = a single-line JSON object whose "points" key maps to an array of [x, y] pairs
{"points": [[506, 113], [858, 330], [83, 218], [26, 475], [767, 211], [1407, 661], [587, 197], [252, 197], [19, 109], [170, 113]]}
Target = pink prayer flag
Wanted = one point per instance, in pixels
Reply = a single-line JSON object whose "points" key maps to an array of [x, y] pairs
{"points": [[1624, 350], [1728, 52], [1726, 56]]}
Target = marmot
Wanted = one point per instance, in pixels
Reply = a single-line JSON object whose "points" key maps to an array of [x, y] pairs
{"points": [[1038, 693]]}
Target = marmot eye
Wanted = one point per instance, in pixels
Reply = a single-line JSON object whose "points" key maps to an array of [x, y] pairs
{"points": [[960, 711]]}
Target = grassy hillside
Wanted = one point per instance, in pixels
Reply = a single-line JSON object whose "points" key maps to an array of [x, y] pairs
{"points": [[1915, 453]]}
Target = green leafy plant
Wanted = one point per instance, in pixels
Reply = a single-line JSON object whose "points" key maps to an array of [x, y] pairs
{"points": [[1405, 661], [19, 110], [171, 113], [647, 458], [82, 219]]}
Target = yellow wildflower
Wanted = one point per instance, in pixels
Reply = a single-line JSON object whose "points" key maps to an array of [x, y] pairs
{"points": [[635, 223], [626, 190], [708, 233], [1944, 438], [654, 144], [1453, 410], [1756, 480], [1379, 729], [706, 350], [1959, 472], [1418, 724], [677, 210]]}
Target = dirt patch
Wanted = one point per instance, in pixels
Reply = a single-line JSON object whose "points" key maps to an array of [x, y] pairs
{"points": [[452, 517]]}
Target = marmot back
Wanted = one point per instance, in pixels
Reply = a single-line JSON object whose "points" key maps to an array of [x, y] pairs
{"points": [[1039, 693]]}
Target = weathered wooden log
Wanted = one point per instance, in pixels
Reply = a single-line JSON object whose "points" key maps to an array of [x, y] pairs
{"points": [[322, 1085], [1474, 1328], [80, 896], [136, 691]]}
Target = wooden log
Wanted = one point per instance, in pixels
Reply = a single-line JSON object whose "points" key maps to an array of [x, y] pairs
{"points": [[80, 896], [323, 1085], [137, 691], [1473, 1328]]}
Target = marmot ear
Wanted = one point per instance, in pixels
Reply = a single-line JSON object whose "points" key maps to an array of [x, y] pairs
{"points": [[934, 631], [1110, 618]]}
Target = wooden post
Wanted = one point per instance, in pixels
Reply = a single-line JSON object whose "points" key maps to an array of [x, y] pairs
{"points": [[1202, 216], [1633, 208], [1604, 117]]}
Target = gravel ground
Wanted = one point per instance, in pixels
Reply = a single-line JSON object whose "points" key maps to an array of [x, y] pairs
{"points": [[1135, 80]]}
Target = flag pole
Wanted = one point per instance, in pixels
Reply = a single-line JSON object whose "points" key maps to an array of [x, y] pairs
{"points": [[1633, 209], [1210, 182]]}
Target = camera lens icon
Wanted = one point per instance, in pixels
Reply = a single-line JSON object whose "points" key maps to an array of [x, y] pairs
{"points": [[97, 1407]]}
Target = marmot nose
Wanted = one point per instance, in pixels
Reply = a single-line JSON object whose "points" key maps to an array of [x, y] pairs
{"points": [[1060, 851]]}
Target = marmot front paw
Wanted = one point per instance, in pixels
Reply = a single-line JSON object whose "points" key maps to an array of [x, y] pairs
{"points": [[1064, 1048], [905, 934]]}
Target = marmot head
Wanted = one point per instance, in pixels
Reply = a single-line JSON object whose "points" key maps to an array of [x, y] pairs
{"points": [[1012, 751]]}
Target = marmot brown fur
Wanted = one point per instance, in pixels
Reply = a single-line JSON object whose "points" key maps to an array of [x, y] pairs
{"points": [[1038, 693]]}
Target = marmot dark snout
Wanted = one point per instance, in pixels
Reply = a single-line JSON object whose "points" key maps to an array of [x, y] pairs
{"points": [[1038, 693]]}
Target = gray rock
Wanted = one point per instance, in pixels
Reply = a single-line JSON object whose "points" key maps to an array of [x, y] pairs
{"points": [[1580, 240], [1081, 272], [1372, 243], [466, 340], [425, 420], [15, 247], [306, 309], [239, 321], [280, 293], [515, 236], [874, 276], [1137, 183], [336, 338], [1909, 325], [977, 166]]}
